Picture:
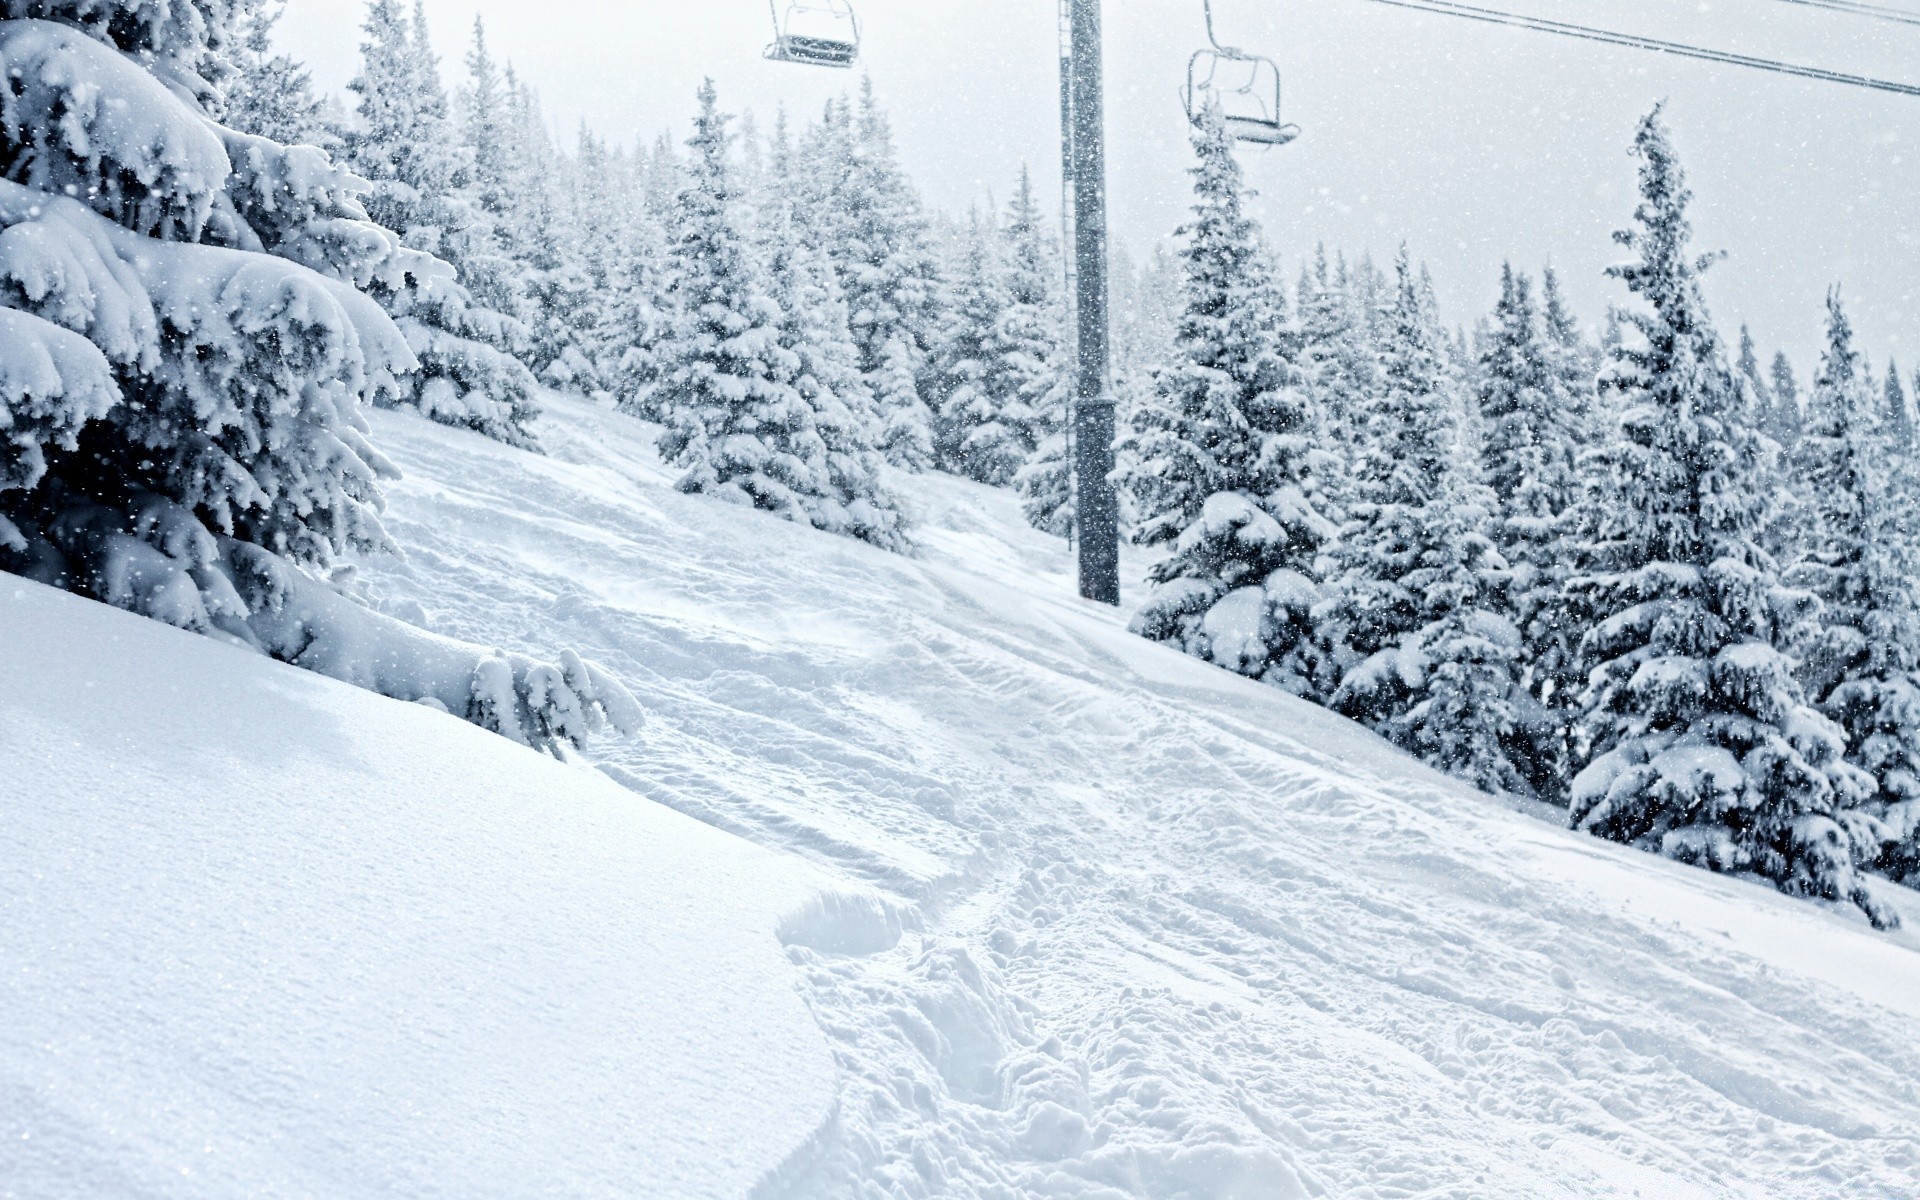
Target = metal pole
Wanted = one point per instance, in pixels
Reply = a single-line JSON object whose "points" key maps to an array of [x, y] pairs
{"points": [[1071, 315], [1098, 513]]}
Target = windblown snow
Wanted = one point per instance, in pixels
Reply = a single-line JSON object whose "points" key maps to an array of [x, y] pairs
{"points": [[1064, 913]]}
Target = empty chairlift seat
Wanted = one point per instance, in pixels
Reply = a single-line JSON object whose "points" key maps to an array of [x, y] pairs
{"points": [[815, 33], [1244, 87]]}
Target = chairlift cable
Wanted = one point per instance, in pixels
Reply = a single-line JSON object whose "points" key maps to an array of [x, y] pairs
{"points": [[1854, 8], [1449, 8]]}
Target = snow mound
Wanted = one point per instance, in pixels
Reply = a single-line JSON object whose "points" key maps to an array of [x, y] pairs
{"points": [[264, 934]]}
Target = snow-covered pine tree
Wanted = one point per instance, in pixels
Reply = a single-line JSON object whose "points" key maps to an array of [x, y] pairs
{"points": [[603, 207], [1338, 357], [1227, 451], [186, 366], [1414, 614], [404, 144], [1577, 358], [1008, 380], [1045, 483], [741, 384], [1031, 339], [1550, 632], [877, 237], [1895, 415], [1146, 312], [1858, 659], [635, 311], [856, 500], [1704, 746], [1145, 303], [640, 305], [268, 94], [1787, 416], [1759, 395], [489, 136], [968, 378], [550, 247], [1529, 437], [1150, 320], [1533, 431]]}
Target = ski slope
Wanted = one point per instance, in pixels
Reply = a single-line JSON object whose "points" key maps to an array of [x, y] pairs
{"points": [[1064, 914], [265, 935]]}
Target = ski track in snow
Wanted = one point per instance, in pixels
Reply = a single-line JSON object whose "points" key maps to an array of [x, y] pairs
{"points": [[1167, 933]]}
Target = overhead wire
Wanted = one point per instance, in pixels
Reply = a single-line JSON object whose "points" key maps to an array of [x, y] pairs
{"points": [[1471, 12], [1855, 8]]}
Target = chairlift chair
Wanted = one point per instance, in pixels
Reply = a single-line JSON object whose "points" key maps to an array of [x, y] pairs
{"points": [[815, 33], [1244, 87]]}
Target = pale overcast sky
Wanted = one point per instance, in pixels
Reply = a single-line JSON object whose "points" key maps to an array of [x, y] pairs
{"points": [[1472, 143]]}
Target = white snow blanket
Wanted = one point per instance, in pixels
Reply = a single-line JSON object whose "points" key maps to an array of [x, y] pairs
{"points": [[1169, 935], [264, 934]]}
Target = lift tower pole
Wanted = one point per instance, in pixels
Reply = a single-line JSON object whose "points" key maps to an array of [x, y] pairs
{"points": [[1097, 513]]}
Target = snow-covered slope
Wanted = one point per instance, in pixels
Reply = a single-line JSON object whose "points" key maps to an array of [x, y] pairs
{"points": [[1180, 936], [263, 934], [1169, 934]]}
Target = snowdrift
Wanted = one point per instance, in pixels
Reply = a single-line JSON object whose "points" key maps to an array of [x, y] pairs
{"points": [[1167, 933], [264, 934]]}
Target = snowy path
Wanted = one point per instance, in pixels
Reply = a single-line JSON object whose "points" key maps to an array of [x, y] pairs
{"points": [[1170, 934]]}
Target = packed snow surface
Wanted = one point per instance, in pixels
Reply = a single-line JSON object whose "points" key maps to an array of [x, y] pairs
{"points": [[1098, 921]]}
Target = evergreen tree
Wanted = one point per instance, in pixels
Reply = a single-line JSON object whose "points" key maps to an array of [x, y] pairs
{"points": [[1227, 450], [269, 94], [855, 499], [1858, 659], [1533, 431], [1429, 660], [487, 128], [166, 392], [405, 146], [1766, 414], [641, 276], [1578, 362], [1146, 307], [1898, 418], [494, 185], [636, 309], [968, 439], [1549, 633], [1785, 430], [1006, 387], [1031, 337], [186, 366], [1338, 357], [554, 250], [618, 249], [743, 385], [1759, 395], [878, 239], [1045, 483], [1146, 304], [1704, 746], [1530, 439]]}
